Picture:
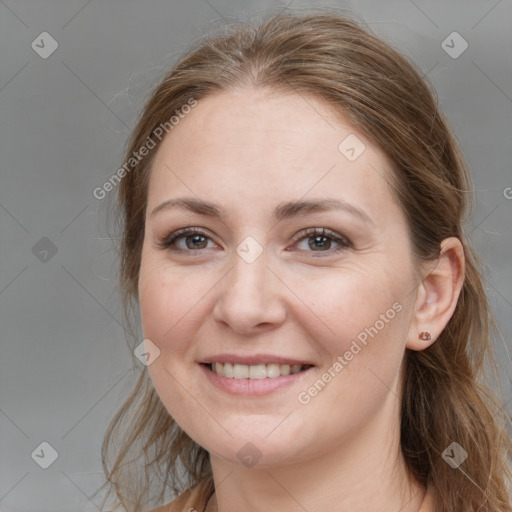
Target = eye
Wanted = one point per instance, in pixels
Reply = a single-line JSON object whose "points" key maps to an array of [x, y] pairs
{"points": [[320, 240], [192, 239]]}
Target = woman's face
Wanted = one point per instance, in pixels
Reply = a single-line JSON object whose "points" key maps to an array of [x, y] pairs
{"points": [[263, 284]]}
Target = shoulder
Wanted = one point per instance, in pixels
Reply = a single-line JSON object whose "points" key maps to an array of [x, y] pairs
{"points": [[193, 499]]}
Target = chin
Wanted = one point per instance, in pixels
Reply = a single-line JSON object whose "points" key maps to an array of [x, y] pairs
{"points": [[255, 451], [254, 456]]}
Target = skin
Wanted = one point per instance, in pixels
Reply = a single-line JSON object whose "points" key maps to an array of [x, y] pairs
{"points": [[248, 151]]}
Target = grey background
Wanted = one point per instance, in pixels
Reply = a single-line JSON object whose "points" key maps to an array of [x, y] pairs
{"points": [[64, 365]]}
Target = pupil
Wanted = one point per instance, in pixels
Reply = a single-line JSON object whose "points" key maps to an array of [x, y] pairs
{"points": [[323, 241], [195, 239]]}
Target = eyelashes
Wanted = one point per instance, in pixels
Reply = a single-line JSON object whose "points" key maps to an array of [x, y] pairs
{"points": [[169, 241], [196, 240], [320, 235]]}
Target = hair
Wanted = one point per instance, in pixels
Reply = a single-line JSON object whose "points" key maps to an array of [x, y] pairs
{"points": [[445, 393]]}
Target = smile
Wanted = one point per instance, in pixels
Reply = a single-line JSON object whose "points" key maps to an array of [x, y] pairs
{"points": [[255, 379], [256, 371]]}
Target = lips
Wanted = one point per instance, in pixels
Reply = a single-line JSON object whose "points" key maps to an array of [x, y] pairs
{"points": [[255, 371], [254, 380], [254, 360], [255, 367]]}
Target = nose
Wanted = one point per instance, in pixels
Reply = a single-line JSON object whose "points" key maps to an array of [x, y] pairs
{"points": [[250, 298]]}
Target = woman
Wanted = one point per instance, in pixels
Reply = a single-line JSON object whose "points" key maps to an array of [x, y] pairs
{"points": [[314, 321]]}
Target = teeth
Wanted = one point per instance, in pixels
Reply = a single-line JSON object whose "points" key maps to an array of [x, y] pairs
{"points": [[274, 370], [296, 368], [240, 371], [228, 370], [255, 371], [218, 368]]}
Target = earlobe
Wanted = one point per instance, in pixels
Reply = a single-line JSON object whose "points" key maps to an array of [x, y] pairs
{"points": [[437, 295]]}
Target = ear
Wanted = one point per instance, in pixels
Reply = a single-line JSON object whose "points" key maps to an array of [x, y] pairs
{"points": [[437, 294]]}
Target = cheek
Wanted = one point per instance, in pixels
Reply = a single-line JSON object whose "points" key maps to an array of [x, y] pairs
{"points": [[361, 319], [169, 301], [351, 304], [170, 308]]}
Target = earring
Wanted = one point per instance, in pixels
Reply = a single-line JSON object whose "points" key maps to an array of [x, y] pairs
{"points": [[425, 336]]}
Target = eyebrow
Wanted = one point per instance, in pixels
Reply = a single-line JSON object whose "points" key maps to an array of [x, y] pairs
{"points": [[281, 212]]}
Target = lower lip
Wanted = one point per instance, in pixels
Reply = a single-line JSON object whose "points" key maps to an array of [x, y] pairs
{"points": [[252, 387]]}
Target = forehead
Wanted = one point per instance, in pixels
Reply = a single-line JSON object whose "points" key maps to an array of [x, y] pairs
{"points": [[264, 147]]}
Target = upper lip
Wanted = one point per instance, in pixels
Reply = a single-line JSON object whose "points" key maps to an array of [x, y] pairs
{"points": [[253, 360]]}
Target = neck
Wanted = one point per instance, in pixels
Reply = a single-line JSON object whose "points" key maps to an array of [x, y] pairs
{"points": [[365, 471]]}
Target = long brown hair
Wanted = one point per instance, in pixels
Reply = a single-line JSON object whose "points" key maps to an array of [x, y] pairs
{"points": [[445, 397]]}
